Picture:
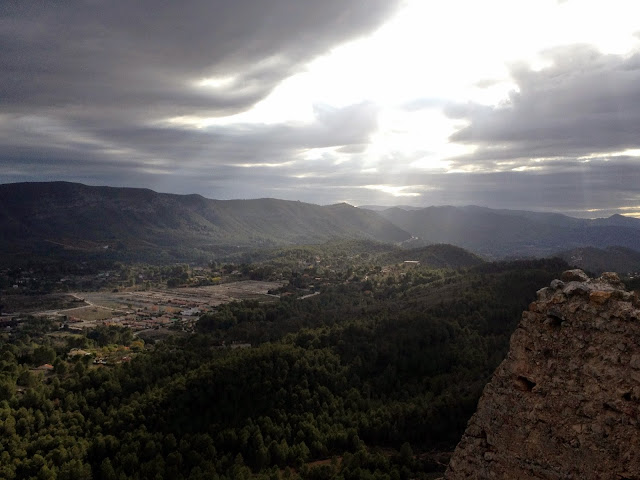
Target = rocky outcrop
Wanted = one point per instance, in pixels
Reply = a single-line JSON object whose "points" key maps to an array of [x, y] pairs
{"points": [[565, 402]]}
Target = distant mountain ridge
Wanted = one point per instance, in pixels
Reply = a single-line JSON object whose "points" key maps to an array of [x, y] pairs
{"points": [[140, 224], [75, 216], [514, 233], [379, 208], [595, 260]]}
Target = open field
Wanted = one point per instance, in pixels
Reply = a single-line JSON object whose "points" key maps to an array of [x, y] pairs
{"points": [[146, 309], [180, 298], [91, 313], [39, 303]]}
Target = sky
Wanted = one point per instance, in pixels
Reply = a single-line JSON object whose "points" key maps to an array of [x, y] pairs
{"points": [[522, 104]]}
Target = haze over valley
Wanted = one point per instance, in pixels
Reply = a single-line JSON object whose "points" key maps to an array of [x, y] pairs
{"points": [[62, 218]]}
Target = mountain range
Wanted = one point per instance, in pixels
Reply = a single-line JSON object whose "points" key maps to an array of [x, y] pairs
{"points": [[514, 233], [132, 223], [142, 222], [596, 260]]}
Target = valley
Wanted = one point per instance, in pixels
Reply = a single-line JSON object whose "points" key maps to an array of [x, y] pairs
{"points": [[297, 240], [342, 358], [61, 220], [159, 309]]}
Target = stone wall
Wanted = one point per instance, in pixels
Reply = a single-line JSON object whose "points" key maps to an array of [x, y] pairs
{"points": [[565, 402]]}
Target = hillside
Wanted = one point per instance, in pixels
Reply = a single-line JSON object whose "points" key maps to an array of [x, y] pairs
{"points": [[145, 224], [512, 233], [379, 374], [433, 256], [341, 254]]}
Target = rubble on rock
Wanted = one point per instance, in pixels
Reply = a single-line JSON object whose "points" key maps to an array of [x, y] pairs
{"points": [[565, 402]]}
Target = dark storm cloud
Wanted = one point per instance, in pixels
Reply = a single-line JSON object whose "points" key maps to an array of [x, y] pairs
{"points": [[143, 55], [107, 65], [585, 102], [572, 191], [85, 86], [238, 143], [211, 161]]}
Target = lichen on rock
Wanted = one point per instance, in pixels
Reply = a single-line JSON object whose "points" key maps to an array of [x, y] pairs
{"points": [[565, 403]]}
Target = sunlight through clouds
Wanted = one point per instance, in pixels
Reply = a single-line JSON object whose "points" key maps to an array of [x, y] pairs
{"points": [[368, 93], [394, 191], [429, 49]]}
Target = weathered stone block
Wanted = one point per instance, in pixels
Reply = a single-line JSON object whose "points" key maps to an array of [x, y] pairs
{"points": [[565, 402]]}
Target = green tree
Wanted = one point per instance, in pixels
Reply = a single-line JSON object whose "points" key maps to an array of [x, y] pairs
{"points": [[106, 470], [406, 454], [43, 354]]}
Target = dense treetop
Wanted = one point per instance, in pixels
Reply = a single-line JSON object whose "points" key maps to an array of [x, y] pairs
{"points": [[370, 378]]}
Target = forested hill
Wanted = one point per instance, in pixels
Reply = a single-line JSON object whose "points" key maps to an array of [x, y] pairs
{"points": [[514, 233], [130, 221], [371, 379], [360, 253]]}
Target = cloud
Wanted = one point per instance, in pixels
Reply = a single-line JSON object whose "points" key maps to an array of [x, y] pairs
{"points": [[424, 104], [173, 158], [585, 102], [233, 143], [94, 91], [144, 55], [571, 186], [87, 86], [487, 82]]}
